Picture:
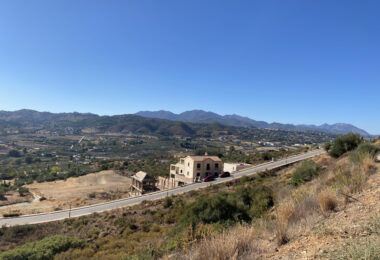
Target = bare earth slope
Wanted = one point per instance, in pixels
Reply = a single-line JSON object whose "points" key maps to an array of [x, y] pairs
{"points": [[352, 232]]}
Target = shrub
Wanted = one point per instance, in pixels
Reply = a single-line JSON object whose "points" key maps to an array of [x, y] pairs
{"points": [[283, 213], [22, 191], [244, 179], [261, 201], [306, 172], [168, 202], [212, 210], [43, 249], [345, 143], [364, 151], [14, 153], [368, 148], [146, 227], [12, 214], [155, 228], [350, 179], [327, 200], [327, 146]]}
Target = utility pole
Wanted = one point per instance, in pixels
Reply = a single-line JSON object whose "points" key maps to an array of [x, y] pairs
{"points": [[70, 210]]}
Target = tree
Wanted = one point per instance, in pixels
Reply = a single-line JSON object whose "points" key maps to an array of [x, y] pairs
{"points": [[22, 191], [14, 153], [28, 159], [345, 143], [327, 146]]}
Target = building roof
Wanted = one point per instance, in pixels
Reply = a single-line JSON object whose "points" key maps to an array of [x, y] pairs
{"points": [[201, 158], [140, 176]]}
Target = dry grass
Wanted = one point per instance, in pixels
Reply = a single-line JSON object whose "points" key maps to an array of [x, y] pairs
{"points": [[283, 213], [234, 244], [349, 179], [369, 165], [327, 200]]}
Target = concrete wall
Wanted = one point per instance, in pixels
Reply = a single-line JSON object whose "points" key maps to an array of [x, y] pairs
{"points": [[233, 167]]}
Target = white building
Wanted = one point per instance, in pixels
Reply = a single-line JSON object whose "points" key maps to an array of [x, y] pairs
{"points": [[233, 167], [193, 168]]}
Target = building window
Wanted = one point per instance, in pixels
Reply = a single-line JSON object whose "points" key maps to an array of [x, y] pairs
{"points": [[198, 174], [198, 165], [216, 165], [181, 171], [188, 164], [208, 166], [187, 173]]}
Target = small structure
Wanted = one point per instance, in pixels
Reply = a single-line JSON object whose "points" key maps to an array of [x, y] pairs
{"points": [[142, 183], [165, 183], [233, 167]]}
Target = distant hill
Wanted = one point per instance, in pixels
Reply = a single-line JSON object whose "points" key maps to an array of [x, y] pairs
{"points": [[200, 116], [34, 122]]}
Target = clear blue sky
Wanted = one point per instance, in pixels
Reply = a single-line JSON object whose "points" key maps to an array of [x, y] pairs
{"points": [[287, 61]]}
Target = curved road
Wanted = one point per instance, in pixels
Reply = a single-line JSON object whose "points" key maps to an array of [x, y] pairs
{"points": [[81, 211]]}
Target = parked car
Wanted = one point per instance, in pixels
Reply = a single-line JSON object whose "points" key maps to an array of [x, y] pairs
{"points": [[224, 174], [208, 178]]}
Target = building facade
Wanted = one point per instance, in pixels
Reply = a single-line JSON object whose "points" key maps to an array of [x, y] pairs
{"points": [[193, 168], [142, 183], [233, 167]]}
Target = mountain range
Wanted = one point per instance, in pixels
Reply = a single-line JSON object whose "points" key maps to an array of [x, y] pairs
{"points": [[200, 116], [41, 123]]}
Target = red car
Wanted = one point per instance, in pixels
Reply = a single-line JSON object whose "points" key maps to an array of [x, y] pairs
{"points": [[224, 174], [208, 178]]}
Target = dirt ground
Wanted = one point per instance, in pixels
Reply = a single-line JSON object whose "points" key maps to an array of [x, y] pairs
{"points": [[85, 190]]}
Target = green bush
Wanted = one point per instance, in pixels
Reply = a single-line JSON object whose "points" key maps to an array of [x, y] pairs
{"points": [[12, 214], [306, 172], [168, 202], [226, 208], [22, 191], [244, 179], [14, 153], [44, 249], [214, 209], [262, 201], [345, 143], [367, 148], [327, 146]]}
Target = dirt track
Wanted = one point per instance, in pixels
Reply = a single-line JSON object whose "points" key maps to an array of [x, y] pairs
{"points": [[74, 191]]}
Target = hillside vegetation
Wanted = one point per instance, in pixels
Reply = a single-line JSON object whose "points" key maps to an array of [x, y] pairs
{"points": [[326, 207]]}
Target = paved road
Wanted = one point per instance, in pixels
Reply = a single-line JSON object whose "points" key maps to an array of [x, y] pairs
{"points": [[76, 212]]}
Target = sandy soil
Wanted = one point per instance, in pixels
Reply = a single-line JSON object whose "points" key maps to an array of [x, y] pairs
{"points": [[85, 190]]}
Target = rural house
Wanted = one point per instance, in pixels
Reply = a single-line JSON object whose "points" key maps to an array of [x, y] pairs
{"points": [[234, 167], [142, 183], [193, 168]]}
